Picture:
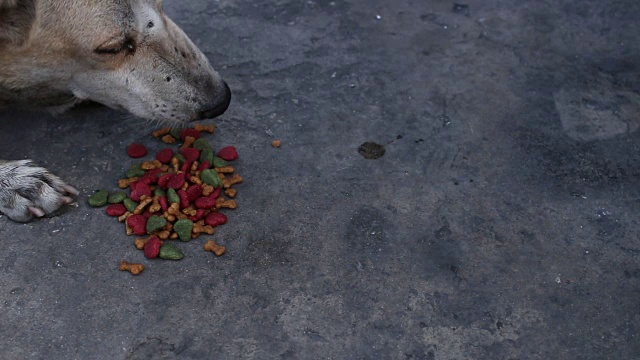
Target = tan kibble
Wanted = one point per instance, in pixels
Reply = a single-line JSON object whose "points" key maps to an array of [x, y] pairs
{"points": [[188, 142], [168, 139], [276, 143], [124, 216], [134, 269], [124, 183], [144, 202], [225, 169], [235, 179], [224, 203], [207, 189], [141, 242], [214, 248], [175, 163], [161, 132], [231, 192], [205, 128]]}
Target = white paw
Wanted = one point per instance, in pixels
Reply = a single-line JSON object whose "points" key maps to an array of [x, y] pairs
{"points": [[27, 191]]}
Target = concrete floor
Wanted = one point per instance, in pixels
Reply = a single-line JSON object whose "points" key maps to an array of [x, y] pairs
{"points": [[501, 223]]}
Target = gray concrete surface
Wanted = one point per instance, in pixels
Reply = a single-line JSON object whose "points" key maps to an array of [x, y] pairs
{"points": [[501, 223]]}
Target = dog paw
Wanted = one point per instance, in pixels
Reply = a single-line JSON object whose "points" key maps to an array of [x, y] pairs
{"points": [[27, 190]]}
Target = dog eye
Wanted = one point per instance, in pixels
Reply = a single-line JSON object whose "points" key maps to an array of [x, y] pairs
{"points": [[112, 48]]}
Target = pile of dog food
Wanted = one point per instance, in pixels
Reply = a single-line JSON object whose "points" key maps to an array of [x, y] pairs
{"points": [[178, 195]]}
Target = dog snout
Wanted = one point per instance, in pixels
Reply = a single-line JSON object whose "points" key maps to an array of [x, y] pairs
{"points": [[220, 104]]}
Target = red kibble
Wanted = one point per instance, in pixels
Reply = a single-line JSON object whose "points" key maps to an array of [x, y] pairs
{"points": [[164, 179], [137, 150], [200, 213], [116, 210], [228, 153], [191, 154], [164, 204], [184, 199], [140, 189], [147, 214], [205, 202], [189, 132], [186, 167], [151, 176], [152, 248], [194, 192], [216, 193], [165, 156], [176, 181], [138, 224], [215, 219], [204, 166]]}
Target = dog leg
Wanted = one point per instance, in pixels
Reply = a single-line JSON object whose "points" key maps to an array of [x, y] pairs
{"points": [[27, 190]]}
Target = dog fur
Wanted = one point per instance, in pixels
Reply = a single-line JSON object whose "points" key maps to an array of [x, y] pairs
{"points": [[126, 54]]}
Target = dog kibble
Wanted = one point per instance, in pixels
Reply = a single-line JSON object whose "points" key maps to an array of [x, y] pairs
{"points": [[138, 224], [219, 162], [202, 144], [276, 143], [116, 197], [216, 219], [134, 269], [130, 205], [177, 194], [210, 177], [152, 248], [171, 252], [137, 150], [183, 228], [211, 245], [172, 196], [116, 210], [165, 155], [99, 198], [155, 223], [168, 139], [228, 153]]}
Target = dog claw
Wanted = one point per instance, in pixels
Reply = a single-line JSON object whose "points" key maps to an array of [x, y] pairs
{"points": [[71, 190], [67, 200], [36, 211]]}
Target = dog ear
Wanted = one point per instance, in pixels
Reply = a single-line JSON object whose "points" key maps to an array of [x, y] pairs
{"points": [[16, 19]]}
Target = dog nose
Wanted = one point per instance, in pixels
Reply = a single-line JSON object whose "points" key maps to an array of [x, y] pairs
{"points": [[220, 107]]}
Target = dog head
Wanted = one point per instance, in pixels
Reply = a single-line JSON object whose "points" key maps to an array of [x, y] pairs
{"points": [[126, 54]]}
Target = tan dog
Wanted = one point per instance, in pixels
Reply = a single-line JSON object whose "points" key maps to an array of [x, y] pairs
{"points": [[126, 54]]}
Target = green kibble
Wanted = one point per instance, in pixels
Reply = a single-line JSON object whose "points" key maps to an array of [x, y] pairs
{"points": [[155, 223], [176, 133], [206, 155], [172, 196], [202, 145], [159, 192], [219, 162], [130, 204], [99, 198], [183, 228], [117, 197], [135, 170], [211, 177], [170, 252]]}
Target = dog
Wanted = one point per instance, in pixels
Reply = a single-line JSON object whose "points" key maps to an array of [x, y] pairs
{"points": [[125, 54]]}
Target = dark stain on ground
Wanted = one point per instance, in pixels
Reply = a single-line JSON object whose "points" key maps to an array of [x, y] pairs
{"points": [[371, 150]]}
